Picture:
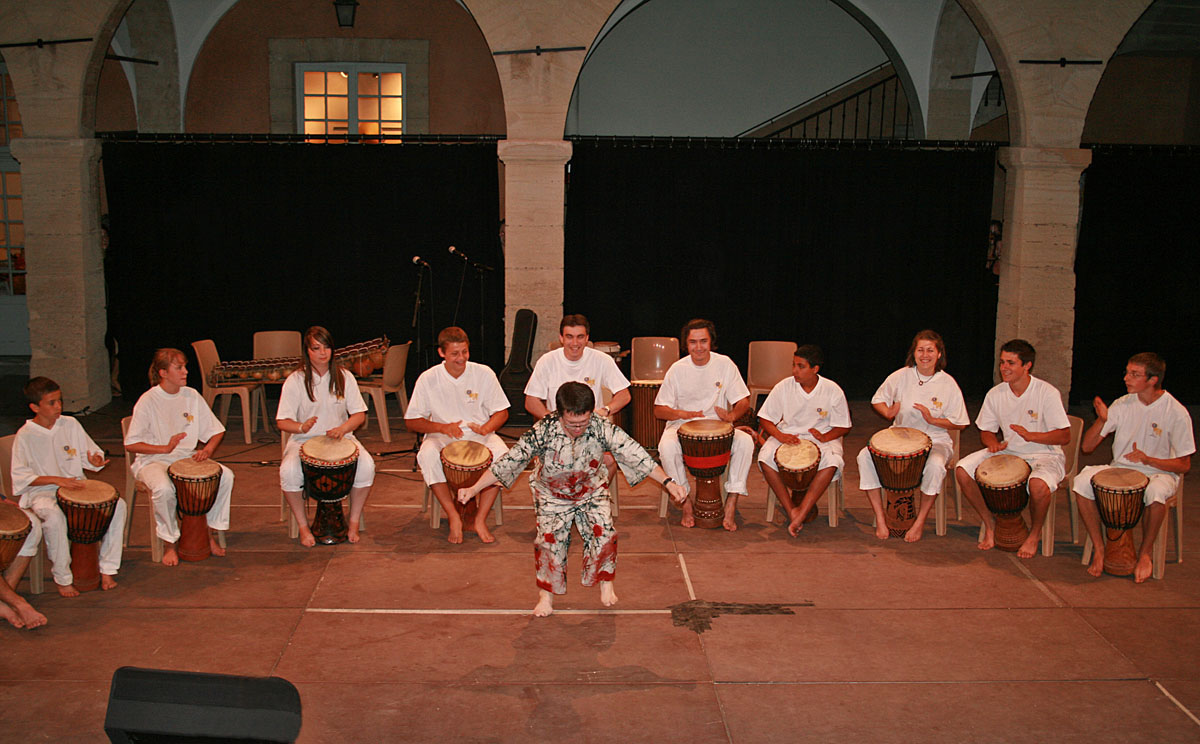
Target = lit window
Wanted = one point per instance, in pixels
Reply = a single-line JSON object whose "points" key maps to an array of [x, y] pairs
{"points": [[335, 99]]}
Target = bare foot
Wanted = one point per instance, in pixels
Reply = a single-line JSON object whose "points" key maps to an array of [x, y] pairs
{"points": [[545, 605], [689, 519], [1096, 567], [352, 532], [30, 617], [730, 521], [215, 546], [67, 591], [608, 595], [881, 529], [481, 529], [456, 529], [306, 536], [107, 582], [170, 557], [988, 541], [1143, 569], [1029, 548], [914, 533]]}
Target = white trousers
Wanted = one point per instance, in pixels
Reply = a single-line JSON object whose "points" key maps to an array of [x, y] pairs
{"points": [[742, 452], [162, 495]]}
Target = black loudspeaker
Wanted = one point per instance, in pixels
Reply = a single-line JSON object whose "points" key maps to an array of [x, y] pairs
{"points": [[156, 705]]}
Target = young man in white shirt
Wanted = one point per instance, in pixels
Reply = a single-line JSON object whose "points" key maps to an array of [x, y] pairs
{"points": [[457, 399], [1153, 434], [1029, 414], [704, 385]]}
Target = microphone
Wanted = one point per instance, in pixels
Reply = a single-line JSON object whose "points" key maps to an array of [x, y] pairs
{"points": [[420, 261], [458, 254]]}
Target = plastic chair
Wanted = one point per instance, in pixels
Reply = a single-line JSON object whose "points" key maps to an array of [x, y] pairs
{"points": [[36, 564], [769, 362], [207, 356], [285, 510], [390, 381], [1160, 543], [275, 344], [652, 356]]}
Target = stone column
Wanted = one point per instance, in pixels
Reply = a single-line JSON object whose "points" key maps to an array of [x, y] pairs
{"points": [[67, 311], [534, 193], [1037, 263]]}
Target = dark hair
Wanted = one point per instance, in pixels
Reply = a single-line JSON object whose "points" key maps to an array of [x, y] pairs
{"points": [[1022, 348], [574, 397], [810, 353], [574, 320], [696, 324], [1155, 366], [38, 388], [161, 360], [927, 335], [337, 385], [452, 335]]}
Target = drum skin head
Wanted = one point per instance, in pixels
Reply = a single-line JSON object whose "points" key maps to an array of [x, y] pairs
{"points": [[13, 521], [899, 441], [1120, 479], [706, 428], [326, 449], [800, 456], [93, 492], [190, 469], [466, 454], [1001, 471]]}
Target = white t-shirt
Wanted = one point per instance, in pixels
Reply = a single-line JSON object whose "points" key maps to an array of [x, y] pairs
{"points": [[688, 387], [1039, 409], [1162, 429], [940, 394], [330, 410], [594, 369], [794, 411], [159, 415], [61, 451], [472, 398]]}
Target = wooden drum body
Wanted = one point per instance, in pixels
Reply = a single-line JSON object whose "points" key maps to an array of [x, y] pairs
{"points": [[14, 528], [647, 429], [464, 462], [196, 486], [706, 446], [1002, 481], [1120, 498], [797, 466], [329, 466], [88, 511], [899, 454]]}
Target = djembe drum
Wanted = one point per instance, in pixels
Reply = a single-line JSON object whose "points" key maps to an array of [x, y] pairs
{"points": [[196, 485], [88, 510], [1120, 495], [329, 466], [899, 454], [797, 466], [1002, 480], [706, 446], [14, 528], [464, 463], [647, 428]]}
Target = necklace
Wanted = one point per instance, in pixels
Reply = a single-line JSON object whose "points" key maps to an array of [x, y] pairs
{"points": [[920, 382]]}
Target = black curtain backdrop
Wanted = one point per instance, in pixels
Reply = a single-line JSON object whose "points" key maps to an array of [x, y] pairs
{"points": [[853, 250], [222, 240], [1137, 271]]}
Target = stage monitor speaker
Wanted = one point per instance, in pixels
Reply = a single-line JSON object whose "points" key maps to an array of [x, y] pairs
{"points": [[158, 705]]}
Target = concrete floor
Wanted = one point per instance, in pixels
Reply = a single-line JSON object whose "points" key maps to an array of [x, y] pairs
{"points": [[407, 638]]}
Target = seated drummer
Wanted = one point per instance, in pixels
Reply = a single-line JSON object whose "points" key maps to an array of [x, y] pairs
{"points": [[704, 385], [920, 395], [457, 399], [321, 397], [170, 421], [1152, 417], [51, 451], [804, 406], [1029, 414], [570, 487]]}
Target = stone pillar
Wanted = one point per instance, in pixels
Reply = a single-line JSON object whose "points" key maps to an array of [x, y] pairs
{"points": [[534, 193], [1037, 263], [67, 311]]}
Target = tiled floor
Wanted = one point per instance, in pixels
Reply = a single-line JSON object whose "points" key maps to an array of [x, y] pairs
{"points": [[832, 636]]}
